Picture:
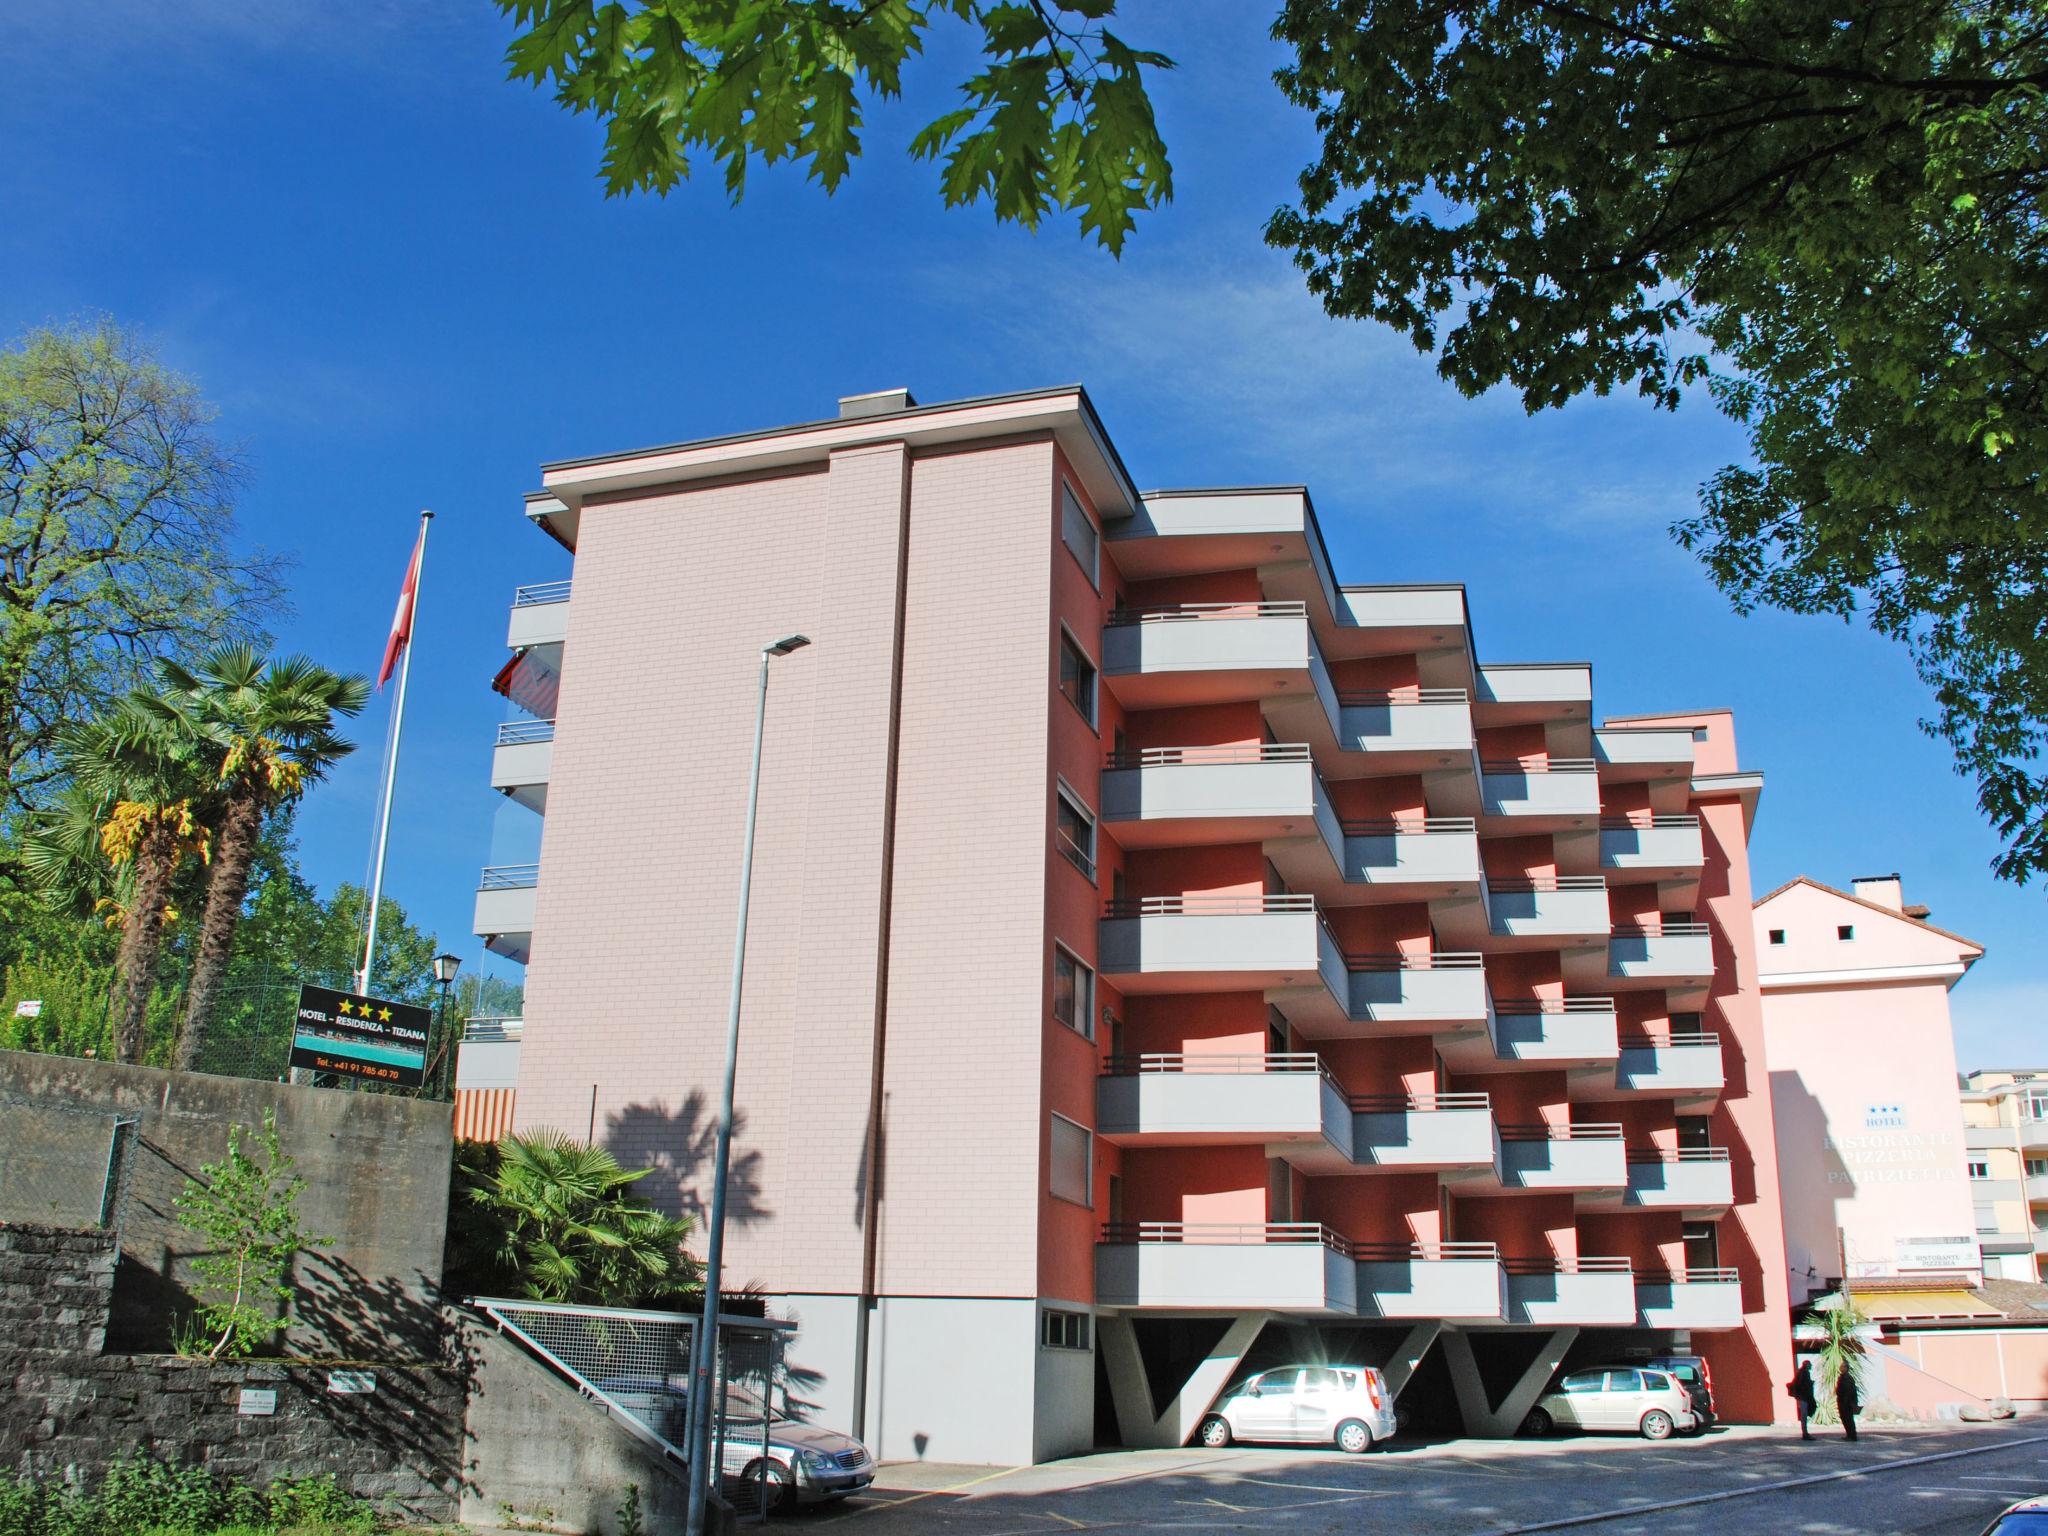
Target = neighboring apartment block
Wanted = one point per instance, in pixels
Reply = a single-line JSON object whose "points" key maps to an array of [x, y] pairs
{"points": [[2005, 1124], [1162, 956], [1863, 1083]]}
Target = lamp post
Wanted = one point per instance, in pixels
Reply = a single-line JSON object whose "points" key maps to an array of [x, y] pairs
{"points": [[445, 967], [705, 1365]]}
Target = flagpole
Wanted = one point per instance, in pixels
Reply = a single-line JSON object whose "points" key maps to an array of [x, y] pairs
{"points": [[391, 763]]}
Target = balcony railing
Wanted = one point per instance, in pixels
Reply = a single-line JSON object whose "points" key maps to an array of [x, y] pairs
{"points": [[1577, 1131], [521, 733], [1644, 822], [1691, 1276], [1394, 697], [539, 592], [1558, 1266], [493, 1028], [1418, 1103], [1185, 613], [1251, 904], [1230, 754], [1225, 1234], [1427, 1253], [1198, 1061], [1508, 766], [1668, 928], [1436, 960], [1529, 1007], [1408, 826], [509, 877], [1678, 1154]]}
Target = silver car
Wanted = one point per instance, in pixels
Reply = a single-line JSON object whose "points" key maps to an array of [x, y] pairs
{"points": [[1347, 1406], [799, 1464], [1625, 1399]]}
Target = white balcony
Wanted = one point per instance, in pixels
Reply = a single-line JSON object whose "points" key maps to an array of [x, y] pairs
{"points": [[1280, 1267], [1218, 943], [1460, 1282], [1185, 1099], [1412, 994], [1557, 796], [522, 761], [1674, 956], [540, 615], [1543, 913], [1563, 1293], [1652, 848], [2037, 1189], [1174, 796], [1421, 614], [504, 909], [1426, 1133], [1561, 1159], [1698, 1300], [1408, 730], [1686, 1067], [1693, 1181], [2033, 1133], [1538, 691], [1206, 653], [1414, 860], [1549, 1035]]}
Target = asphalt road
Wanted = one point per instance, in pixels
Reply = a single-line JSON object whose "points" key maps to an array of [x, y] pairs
{"points": [[1729, 1483]]}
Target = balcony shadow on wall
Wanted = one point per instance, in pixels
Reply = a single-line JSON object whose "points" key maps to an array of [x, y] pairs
{"points": [[678, 1145], [1812, 1196]]}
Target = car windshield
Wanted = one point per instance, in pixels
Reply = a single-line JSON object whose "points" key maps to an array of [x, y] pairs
{"points": [[2025, 1522]]}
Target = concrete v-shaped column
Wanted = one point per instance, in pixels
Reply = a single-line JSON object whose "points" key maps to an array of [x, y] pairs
{"points": [[1408, 1355], [1501, 1423], [1140, 1427]]}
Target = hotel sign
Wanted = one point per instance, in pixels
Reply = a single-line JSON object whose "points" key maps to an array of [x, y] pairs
{"points": [[370, 1038]]}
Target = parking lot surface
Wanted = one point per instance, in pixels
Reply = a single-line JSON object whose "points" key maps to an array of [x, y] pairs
{"points": [[1948, 1479]]}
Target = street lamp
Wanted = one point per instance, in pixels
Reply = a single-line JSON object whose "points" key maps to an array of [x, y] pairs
{"points": [[705, 1365], [445, 967]]}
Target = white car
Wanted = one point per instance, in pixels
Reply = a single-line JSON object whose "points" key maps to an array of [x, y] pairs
{"points": [[1347, 1406], [1622, 1398]]}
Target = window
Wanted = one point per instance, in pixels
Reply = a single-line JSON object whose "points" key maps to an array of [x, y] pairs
{"points": [[1987, 1218], [1276, 1383], [1699, 733], [1624, 1381], [1777, 935], [1321, 1379], [2036, 1166], [1074, 831], [1066, 1330], [1980, 1168], [1846, 931], [1073, 1161], [1077, 677], [1073, 993], [1079, 534], [1583, 1381]]}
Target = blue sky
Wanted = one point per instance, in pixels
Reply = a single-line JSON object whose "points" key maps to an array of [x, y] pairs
{"points": [[397, 277]]}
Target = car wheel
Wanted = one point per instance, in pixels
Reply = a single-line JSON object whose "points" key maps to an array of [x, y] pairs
{"points": [[1657, 1425], [1214, 1433], [769, 1480], [1537, 1423], [1353, 1438]]}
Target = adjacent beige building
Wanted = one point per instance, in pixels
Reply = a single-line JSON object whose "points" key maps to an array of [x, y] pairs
{"points": [[2005, 1119]]}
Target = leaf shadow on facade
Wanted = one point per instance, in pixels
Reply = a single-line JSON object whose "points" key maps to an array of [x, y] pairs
{"points": [[678, 1145]]}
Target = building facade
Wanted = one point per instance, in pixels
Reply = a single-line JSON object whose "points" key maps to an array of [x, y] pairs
{"points": [[1162, 957], [2005, 1128], [1864, 1085]]}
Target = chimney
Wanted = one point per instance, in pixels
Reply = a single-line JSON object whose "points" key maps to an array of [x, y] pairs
{"points": [[880, 402], [1882, 891]]}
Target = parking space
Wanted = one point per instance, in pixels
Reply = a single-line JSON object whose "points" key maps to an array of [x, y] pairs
{"points": [[1941, 1480]]}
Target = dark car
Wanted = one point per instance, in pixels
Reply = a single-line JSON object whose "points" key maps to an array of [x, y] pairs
{"points": [[1698, 1379], [2029, 1517]]}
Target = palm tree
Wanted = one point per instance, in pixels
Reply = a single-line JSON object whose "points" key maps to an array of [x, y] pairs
{"points": [[112, 844], [1837, 1325], [549, 1219], [268, 729]]}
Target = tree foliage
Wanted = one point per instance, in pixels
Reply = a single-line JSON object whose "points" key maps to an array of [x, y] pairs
{"points": [[1829, 213], [547, 1218], [117, 537], [1057, 117]]}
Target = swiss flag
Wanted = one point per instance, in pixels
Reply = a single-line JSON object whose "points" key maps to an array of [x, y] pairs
{"points": [[401, 621]]}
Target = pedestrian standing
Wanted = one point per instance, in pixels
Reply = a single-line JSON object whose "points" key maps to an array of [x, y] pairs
{"points": [[1800, 1390], [1847, 1399]]}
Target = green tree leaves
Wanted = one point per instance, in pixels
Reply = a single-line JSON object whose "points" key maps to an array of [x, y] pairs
{"points": [[1057, 119]]}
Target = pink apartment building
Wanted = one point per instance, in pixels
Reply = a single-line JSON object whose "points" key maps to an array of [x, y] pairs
{"points": [[1164, 959]]}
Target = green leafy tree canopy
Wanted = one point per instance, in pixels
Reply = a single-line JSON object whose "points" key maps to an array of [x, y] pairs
{"points": [[1058, 116]]}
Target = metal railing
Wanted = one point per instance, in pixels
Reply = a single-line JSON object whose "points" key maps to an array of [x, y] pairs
{"points": [[1527, 885], [1514, 765], [1073, 852], [1435, 960], [1181, 613], [1643, 822], [521, 733], [1419, 1103], [540, 592], [1526, 1006], [1578, 1131], [1667, 928], [492, 1027], [1228, 754], [1374, 698], [1560, 1266], [509, 877], [1226, 1234], [1689, 1277], [1408, 826], [1250, 904], [1428, 1253], [1197, 1062], [1682, 1040], [1678, 1154]]}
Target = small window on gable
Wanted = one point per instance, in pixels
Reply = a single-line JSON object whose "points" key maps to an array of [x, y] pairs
{"points": [[1699, 733], [1777, 935], [1846, 931], [1079, 535]]}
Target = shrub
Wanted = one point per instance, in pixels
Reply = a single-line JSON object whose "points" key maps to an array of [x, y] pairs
{"points": [[152, 1498]]}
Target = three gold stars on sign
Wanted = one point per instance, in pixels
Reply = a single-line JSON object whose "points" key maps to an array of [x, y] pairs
{"points": [[364, 1010]]}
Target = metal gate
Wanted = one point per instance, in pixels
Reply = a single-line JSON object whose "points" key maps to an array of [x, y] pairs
{"points": [[638, 1365]]}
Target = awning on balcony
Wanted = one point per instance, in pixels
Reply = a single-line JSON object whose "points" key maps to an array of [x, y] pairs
{"points": [[528, 681]]}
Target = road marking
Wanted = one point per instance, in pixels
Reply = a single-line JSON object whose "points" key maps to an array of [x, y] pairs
{"points": [[932, 1493], [1893, 1465]]}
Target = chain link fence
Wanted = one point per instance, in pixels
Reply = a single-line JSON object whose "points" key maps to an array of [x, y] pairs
{"points": [[61, 1166]]}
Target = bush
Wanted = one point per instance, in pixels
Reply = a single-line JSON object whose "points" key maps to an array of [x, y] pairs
{"points": [[151, 1498]]}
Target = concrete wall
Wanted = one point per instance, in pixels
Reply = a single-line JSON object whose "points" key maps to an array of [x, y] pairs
{"points": [[376, 1169]]}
